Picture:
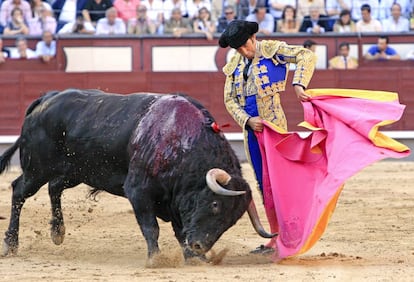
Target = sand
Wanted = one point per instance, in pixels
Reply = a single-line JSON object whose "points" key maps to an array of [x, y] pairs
{"points": [[370, 238]]}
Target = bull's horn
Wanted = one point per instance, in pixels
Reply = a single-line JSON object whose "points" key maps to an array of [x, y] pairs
{"points": [[254, 218], [215, 176]]}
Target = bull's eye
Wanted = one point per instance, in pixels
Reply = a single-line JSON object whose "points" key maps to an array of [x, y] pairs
{"points": [[215, 207]]}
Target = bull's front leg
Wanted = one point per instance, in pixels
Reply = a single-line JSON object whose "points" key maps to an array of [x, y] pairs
{"points": [[142, 204]]}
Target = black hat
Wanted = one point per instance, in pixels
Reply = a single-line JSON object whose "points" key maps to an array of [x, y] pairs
{"points": [[237, 33]]}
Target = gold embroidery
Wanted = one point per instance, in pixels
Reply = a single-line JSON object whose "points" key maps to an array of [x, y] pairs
{"points": [[268, 101], [263, 69], [230, 67], [265, 79]]}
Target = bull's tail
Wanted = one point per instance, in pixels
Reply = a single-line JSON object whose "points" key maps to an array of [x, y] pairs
{"points": [[6, 157]]}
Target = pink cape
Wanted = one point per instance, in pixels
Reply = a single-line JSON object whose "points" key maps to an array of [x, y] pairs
{"points": [[303, 176]]}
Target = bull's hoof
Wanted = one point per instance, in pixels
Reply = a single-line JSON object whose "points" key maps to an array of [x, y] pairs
{"points": [[58, 234], [8, 249]]}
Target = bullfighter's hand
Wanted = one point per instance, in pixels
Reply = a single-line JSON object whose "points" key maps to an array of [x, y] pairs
{"points": [[301, 94], [255, 123]]}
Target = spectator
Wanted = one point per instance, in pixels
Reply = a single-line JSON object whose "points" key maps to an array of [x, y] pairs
{"points": [[126, 9], [95, 10], [229, 15], [367, 23], [45, 21], [334, 8], [177, 25], [218, 8], [303, 8], [7, 7], [169, 5], [110, 24], [385, 7], [22, 51], [264, 19], [410, 55], [412, 21], [66, 11], [315, 23], [396, 22], [17, 25], [39, 7], [343, 60], [193, 6], [4, 52], [142, 24], [381, 51], [247, 7], [344, 23], [203, 24], [46, 48], [288, 23], [155, 11], [79, 26], [310, 44], [406, 7], [356, 8], [277, 7]]}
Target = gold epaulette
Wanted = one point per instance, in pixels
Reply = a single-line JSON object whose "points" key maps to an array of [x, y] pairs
{"points": [[269, 47], [230, 67]]}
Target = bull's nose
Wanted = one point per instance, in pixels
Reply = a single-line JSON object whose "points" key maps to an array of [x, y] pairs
{"points": [[197, 247]]}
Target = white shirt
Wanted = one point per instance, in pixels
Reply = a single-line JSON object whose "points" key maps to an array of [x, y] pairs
{"points": [[389, 24], [43, 50], [385, 8], [68, 13], [277, 14], [154, 8], [68, 28], [334, 5], [14, 54], [193, 8], [373, 26], [103, 26], [268, 22], [169, 5], [356, 8]]}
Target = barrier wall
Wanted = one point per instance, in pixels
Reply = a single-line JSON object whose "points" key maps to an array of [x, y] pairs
{"points": [[191, 65]]}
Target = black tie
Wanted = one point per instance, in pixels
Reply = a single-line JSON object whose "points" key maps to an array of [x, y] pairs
{"points": [[246, 70]]}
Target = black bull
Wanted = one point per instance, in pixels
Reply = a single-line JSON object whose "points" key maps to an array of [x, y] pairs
{"points": [[159, 151]]}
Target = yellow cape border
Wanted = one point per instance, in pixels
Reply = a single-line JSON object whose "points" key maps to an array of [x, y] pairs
{"points": [[383, 96]]}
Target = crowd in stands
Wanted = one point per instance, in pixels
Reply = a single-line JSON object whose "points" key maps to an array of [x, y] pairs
{"points": [[32, 17], [207, 17]]}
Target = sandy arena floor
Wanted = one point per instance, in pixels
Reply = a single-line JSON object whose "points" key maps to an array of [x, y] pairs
{"points": [[370, 238]]}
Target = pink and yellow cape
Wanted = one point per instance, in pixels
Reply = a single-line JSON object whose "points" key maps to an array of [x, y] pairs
{"points": [[306, 174]]}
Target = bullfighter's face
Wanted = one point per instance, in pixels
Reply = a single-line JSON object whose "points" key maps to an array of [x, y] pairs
{"points": [[248, 49]]}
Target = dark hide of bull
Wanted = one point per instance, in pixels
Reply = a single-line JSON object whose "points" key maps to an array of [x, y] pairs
{"points": [[153, 149]]}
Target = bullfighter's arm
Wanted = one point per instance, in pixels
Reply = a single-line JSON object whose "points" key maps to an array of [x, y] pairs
{"points": [[232, 105], [304, 59]]}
